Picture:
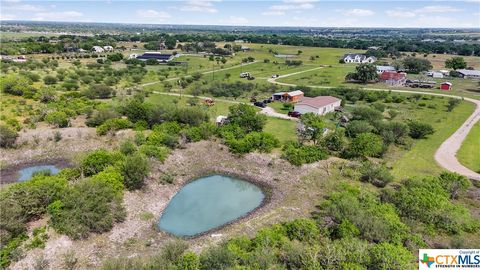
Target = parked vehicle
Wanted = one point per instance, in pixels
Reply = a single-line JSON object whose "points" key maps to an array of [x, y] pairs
{"points": [[294, 114], [245, 75], [250, 78], [260, 104], [275, 76], [267, 101]]}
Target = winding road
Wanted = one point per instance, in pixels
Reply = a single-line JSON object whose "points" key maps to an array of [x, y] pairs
{"points": [[446, 153]]}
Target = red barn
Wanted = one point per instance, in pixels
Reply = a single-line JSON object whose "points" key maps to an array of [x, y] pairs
{"points": [[393, 78], [446, 86]]}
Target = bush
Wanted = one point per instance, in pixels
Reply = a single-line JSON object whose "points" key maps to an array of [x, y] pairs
{"points": [[99, 91], [367, 114], [298, 154], [376, 174], [158, 152], [89, 206], [261, 141], [356, 127], [127, 147], [100, 116], [420, 130], [202, 132], [57, 118], [427, 200], [113, 125], [135, 170], [48, 80], [335, 141], [217, 258], [388, 256], [97, 161], [7, 136], [366, 144]]}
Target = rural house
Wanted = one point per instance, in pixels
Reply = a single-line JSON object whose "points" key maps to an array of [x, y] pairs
{"points": [[358, 58], [293, 96], [320, 105], [393, 78], [381, 69], [435, 74], [467, 73], [160, 57], [108, 48]]}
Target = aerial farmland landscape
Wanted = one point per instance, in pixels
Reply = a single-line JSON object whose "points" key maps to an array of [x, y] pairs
{"points": [[199, 135]]}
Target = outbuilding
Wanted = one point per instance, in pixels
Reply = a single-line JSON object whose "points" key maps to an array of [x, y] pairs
{"points": [[293, 96], [446, 86], [320, 105]]}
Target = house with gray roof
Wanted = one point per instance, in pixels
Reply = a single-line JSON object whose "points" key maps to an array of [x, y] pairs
{"points": [[358, 58], [467, 73]]}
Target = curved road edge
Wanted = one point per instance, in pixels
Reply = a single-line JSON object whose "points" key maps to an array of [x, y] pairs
{"points": [[446, 154]]}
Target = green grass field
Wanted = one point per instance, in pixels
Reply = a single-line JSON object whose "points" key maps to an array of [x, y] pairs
{"points": [[419, 160], [469, 153], [283, 129]]}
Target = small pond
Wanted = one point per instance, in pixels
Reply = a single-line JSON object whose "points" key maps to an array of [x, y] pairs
{"points": [[208, 203], [27, 173]]}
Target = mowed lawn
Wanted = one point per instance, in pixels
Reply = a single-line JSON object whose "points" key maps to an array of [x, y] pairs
{"points": [[469, 153], [284, 130], [419, 160]]}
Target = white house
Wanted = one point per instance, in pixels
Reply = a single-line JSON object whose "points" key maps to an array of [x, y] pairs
{"points": [[320, 105], [381, 69], [358, 58], [97, 49], [108, 48]]}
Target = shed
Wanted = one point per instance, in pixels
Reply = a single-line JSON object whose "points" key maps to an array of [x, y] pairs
{"points": [[293, 96], [446, 86]]}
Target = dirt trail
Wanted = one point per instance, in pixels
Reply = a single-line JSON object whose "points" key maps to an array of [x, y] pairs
{"points": [[446, 154]]}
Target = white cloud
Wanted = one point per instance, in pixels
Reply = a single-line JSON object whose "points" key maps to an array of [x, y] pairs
{"points": [[235, 20], [292, 7], [199, 6], [152, 14], [57, 16], [273, 13], [24, 7], [400, 13], [6, 17], [437, 9], [359, 12], [11, 1]]}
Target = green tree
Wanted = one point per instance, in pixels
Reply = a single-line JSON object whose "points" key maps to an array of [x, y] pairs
{"points": [[366, 144], [366, 73], [454, 183], [48, 80], [455, 63], [246, 117], [312, 129], [416, 65], [386, 256]]}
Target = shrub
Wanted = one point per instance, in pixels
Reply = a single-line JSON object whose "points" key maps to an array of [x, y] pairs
{"points": [[113, 125], [261, 141], [100, 116], [376, 174], [366, 144], [298, 154], [389, 256], [97, 161], [367, 114], [160, 138], [216, 258], [452, 103], [91, 205], [48, 80], [99, 91], [427, 201], [57, 118], [135, 170], [7, 136], [335, 141], [420, 130], [454, 183], [127, 147], [356, 127]]}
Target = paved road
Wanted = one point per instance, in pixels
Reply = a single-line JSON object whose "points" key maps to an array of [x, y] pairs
{"points": [[446, 154]]}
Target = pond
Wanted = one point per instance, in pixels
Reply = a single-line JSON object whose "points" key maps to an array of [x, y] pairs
{"points": [[208, 203], [27, 173]]}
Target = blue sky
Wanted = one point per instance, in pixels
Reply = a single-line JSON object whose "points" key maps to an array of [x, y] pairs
{"points": [[319, 13]]}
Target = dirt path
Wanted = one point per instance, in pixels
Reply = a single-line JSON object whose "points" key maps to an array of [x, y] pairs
{"points": [[446, 154]]}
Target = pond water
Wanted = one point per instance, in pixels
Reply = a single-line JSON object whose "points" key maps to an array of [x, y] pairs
{"points": [[26, 173], [207, 203]]}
